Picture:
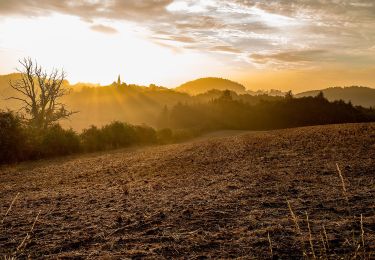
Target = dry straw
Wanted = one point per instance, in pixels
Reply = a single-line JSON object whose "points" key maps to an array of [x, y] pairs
{"points": [[325, 236], [295, 220], [362, 236], [10, 207], [294, 217], [269, 241], [324, 244], [310, 236], [28, 235], [342, 183]]}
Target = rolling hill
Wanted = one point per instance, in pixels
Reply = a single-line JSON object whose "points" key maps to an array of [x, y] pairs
{"points": [[218, 197], [5, 90], [359, 96], [204, 85]]}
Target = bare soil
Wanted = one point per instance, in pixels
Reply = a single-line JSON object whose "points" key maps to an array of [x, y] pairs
{"points": [[216, 197]]}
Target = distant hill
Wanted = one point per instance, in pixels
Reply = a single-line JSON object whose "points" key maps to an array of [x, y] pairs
{"points": [[203, 85], [5, 89], [359, 96]]}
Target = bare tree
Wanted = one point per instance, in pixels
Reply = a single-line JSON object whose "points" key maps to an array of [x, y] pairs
{"points": [[40, 94]]}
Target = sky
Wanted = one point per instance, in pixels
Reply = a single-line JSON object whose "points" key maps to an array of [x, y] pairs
{"points": [[263, 44]]}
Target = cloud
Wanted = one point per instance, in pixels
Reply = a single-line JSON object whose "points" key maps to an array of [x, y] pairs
{"points": [[289, 56], [199, 23], [87, 9], [227, 49], [274, 31], [176, 38], [103, 29]]}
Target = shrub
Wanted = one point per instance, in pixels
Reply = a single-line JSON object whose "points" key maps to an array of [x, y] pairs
{"points": [[117, 134], [145, 134], [12, 138], [58, 141], [164, 136], [183, 134], [92, 139]]}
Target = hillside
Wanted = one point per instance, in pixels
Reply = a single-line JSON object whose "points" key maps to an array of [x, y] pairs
{"points": [[100, 105], [6, 91], [360, 96], [203, 85], [219, 197]]}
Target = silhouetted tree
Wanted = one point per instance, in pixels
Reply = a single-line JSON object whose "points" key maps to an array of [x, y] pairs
{"points": [[41, 93], [163, 120], [226, 95], [289, 95], [320, 95]]}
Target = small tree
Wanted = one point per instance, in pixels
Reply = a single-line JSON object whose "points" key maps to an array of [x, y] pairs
{"points": [[40, 94], [289, 95], [320, 95]]}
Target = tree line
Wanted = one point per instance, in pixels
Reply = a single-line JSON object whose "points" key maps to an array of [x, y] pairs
{"points": [[226, 112], [19, 141]]}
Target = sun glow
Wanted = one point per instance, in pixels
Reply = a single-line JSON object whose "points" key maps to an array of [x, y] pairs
{"points": [[92, 56]]}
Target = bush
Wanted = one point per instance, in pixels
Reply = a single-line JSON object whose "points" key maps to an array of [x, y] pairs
{"points": [[181, 135], [12, 138], [117, 134], [164, 136], [145, 135], [92, 139], [20, 142], [58, 141]]}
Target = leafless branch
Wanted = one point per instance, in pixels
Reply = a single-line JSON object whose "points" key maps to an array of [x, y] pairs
{"points": [[40, 91]]}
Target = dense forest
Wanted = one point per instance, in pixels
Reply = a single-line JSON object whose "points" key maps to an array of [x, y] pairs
{"points": [[358, 95], [227, 112]]}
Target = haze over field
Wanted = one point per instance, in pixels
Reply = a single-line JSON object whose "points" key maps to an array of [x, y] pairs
{"points": [[286, 45]]}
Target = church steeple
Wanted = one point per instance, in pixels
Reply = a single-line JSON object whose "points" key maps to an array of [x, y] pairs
{"points": [[119, 80]]}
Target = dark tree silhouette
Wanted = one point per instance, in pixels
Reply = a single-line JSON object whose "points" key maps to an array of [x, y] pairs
{"points": [[41, 93], [320, 95], [289, 95]]}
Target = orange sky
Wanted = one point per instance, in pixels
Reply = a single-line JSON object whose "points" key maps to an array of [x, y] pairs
{"points": [[282, 44]]}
